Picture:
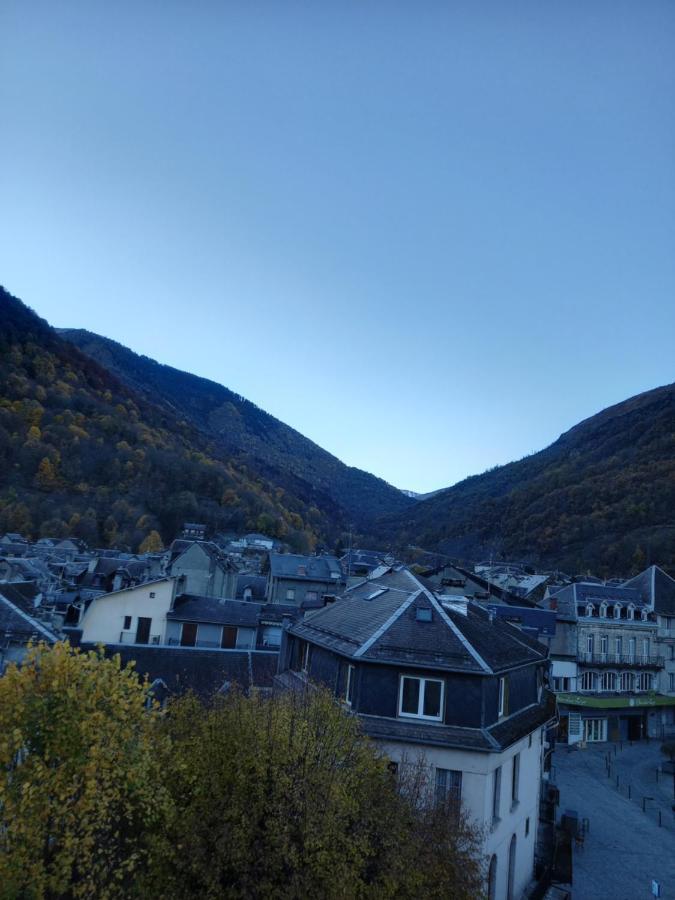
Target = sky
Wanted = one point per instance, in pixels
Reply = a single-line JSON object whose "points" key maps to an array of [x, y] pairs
{"points": [[430, 236]]}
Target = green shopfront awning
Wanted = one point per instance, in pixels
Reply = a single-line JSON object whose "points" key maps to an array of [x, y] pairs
{"points": [[627, 702]]}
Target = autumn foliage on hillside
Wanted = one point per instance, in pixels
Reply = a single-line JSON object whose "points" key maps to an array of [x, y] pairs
{"points": [[600, 498], [82, 455]]}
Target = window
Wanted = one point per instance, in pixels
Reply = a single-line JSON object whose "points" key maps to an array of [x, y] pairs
{"points": [[589, 609], [127, 623], [631, 648], [627, 682], [421, 698], [496, 791], [527, 826], [311, 595], [589, 643], [608, 681], [645, 647], [603, 644], [290, 594], [595, 730], [645, 681], [492, 879], [603, 610], [617, 610], [631, 611], [512, 870], [349, 687], [304, 657], [619, 646], [644, 615], [423, 614], [448, 788], [515, 780], [671, 681], [503, 706], [152, 595], [228, 639], [188, 634], [529, 740], [588, 681]]}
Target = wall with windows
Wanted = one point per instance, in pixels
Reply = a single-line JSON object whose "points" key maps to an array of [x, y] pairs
{"points": [[114, 618], [204, 577], [294, 591], [477, 770]]}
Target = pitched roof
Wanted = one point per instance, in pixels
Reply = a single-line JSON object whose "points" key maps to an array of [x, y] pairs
{"points": [[311, 568], [656, 588], [192, 608], [378, 621], [195, 669], [16, 622]]}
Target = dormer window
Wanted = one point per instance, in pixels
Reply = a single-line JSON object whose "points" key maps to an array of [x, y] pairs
{"points": [[617, 610], [644, 615], [631, 611], [589, 609], [302, 570], [421, 698], [603, 610]]}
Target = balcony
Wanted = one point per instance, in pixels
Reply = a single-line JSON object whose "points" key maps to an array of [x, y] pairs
{"points": [[621, 659]]}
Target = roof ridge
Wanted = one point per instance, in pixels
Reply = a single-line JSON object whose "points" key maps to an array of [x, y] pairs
{"points": [[386, 625], [458, 633]]}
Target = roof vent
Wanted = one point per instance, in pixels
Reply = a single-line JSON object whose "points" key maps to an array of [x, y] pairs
{"points": [[423, 614], [456, 604]]}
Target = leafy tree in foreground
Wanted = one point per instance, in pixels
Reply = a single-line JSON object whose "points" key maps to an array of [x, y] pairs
{"points": [[284, 797], [79, 781]]}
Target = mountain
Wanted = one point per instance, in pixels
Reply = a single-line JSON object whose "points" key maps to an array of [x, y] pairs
{"points": [[109, 447], [601, 497], [251, 436], [84, 454]]}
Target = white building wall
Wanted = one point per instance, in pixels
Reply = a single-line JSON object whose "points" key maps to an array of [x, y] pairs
{"points": [[104, 619], [477, 790]]}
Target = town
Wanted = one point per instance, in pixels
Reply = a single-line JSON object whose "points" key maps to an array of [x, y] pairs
{"points": [[499, 678]]}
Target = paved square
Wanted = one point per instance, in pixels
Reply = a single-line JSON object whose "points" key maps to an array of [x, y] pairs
{"points": [[625, 848]]}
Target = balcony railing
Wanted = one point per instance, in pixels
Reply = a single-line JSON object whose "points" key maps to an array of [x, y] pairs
{"points": [[621, 659]]}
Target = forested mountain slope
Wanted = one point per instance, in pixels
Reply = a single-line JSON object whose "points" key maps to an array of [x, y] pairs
{"points": [[83, 454], [248, 433], [601, 497]]}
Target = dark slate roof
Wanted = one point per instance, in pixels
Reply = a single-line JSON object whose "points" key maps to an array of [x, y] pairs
{"points": [[190, 608], [194, 669], [19, 624], [383, 728], [21, 593], [310, 568], [376, 621], [656, 589], [510, 730]]}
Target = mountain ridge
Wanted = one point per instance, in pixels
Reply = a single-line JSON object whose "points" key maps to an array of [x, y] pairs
{"points": [[278, 450], [599, 496]]}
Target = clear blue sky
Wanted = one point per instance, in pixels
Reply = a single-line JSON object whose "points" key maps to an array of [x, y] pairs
{"points": [[430, 236]]}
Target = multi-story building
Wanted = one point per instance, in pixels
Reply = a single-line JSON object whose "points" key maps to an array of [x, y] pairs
{"points": [[440, 682], [657, 590], [607, 663]]}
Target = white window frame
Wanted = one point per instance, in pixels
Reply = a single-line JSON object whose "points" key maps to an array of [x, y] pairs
{"points": [[420, 700], [603, 610], [617, 610]]}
